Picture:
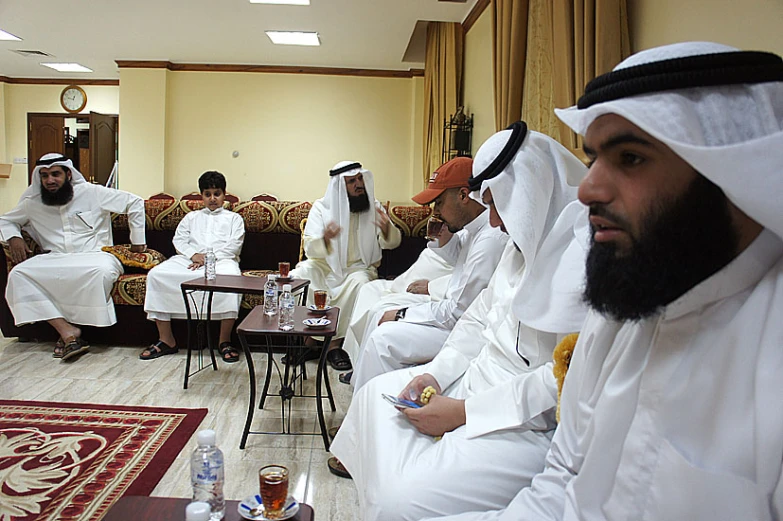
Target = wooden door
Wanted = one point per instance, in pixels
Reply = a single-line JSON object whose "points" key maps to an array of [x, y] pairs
{"points": [[45, 135], [103, 146]]}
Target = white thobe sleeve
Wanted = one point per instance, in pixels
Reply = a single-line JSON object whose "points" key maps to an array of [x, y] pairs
{"points": [[181, 239], [233, 246], [450, 251], [12, 222], [476, 271], [464, 343], [119, 201], [395, 236], [314, 245]]}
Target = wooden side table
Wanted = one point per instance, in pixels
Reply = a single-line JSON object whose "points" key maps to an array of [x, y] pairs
{"points": [[257, 324], [146, 508], [226, 284]]}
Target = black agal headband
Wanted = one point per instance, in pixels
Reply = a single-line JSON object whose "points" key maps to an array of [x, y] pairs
{"points": [[47, 162], [343, 169], [518, 133], [704, 70]]}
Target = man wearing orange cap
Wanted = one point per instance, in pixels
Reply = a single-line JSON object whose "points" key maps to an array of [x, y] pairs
{"points": [[413, 335]]}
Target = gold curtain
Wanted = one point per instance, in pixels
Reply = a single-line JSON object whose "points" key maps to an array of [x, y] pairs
{"points": [[443, 65], [509, 50]]}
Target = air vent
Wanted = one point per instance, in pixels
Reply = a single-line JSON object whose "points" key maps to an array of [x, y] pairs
{"points": [[24, 52]]}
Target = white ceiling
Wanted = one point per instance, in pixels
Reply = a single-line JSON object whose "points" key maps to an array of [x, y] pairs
{"points": [[367, 34]]}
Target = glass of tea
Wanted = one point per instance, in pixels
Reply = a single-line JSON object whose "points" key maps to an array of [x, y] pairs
{"points": [[320, 298], [434, 226], [284, 268], [273, 482]]}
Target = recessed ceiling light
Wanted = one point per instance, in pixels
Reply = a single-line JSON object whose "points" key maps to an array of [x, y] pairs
{"points": [[8, 36], [67, 67], [281, 2], [293, 38]]}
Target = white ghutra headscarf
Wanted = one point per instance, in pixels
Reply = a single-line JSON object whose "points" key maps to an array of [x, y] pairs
{"points": [[336, 209], [727, 128], [527, 173], [48, 161]]}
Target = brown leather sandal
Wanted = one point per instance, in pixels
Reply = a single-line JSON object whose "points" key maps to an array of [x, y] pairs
{"points": [[74, 347]]}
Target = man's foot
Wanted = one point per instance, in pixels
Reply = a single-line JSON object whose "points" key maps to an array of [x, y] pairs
{"points": [[339, 360], [345, 378], [156, 350], [337, 468], [332, 431], [58, 348], [228, 353], [73, 347]]}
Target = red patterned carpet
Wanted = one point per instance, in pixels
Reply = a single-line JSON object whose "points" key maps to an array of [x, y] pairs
{"points": [[63, 461]]}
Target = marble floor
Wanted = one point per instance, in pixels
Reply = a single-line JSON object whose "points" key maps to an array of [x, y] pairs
{"points": [[115, 375]]}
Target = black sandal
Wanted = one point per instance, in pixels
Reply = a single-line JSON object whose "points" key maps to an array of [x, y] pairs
{"points": [[74, 347], [339, 360], [226, 349], [158, 349], [337, 468]]}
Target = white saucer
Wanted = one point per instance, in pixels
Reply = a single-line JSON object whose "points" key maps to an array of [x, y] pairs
{"points": [[314, 309], [316, 323], [249, 503]]}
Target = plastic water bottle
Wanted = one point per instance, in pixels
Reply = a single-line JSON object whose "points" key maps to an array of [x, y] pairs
{"points": [[197, 511], [209, 265], [206, 474], [286, 320], [270, 295]]}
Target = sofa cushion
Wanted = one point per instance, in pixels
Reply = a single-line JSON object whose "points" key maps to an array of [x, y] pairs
{"points": [[130, 290], [145, 260], [411, 220]]}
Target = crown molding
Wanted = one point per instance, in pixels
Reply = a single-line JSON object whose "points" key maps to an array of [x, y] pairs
{"points": [[57, 81], [474, 14], [269, 69]]}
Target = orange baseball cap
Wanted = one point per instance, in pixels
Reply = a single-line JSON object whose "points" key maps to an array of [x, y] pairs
{"points": [[454, 174]]}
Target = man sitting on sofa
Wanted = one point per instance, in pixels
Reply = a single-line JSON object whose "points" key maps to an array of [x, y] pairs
{"points": [[343, 238], [212, 226], [71, 220]]}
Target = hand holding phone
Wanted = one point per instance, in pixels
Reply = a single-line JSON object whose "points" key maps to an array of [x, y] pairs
{"points": [[398, 402]]}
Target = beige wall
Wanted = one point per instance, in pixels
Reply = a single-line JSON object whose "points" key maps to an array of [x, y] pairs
{"points": [[748, 24], [479, 96], [21, 99]]}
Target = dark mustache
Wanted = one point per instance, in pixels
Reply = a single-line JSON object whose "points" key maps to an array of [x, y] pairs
{"points": [[599, 210]]}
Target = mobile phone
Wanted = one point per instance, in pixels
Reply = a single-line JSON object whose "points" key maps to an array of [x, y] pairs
{"points": [[399, 402]]}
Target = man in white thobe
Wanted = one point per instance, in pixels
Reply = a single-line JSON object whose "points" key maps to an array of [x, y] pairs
{"points": [[671, 406], [497, 393], [211, 227], [343, 238], [71, 220], [413, 335]]}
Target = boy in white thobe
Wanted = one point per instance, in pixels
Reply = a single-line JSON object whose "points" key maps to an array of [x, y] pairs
{"points": [[343, 238], [71, 220], [497, 391], [671, 406], [211, 227]]}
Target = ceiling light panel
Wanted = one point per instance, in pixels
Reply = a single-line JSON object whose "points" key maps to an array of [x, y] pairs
{"points": [[281, 2], [67, 67], [9, 37], [293, 38]]}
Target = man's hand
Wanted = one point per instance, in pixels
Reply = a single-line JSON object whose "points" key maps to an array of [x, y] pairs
{"points": [[198, 261], [331, 231], [414, 388], [19, 249], [419, 287], [388, 316], [138, 248], [383, 222], [440, 415]]}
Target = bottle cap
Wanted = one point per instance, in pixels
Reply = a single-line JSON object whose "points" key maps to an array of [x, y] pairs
{"points": [[286, 287], [271, 276], [197, 511], [206, 437]]}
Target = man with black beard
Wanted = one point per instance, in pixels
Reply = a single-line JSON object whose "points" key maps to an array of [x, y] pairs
{"points": [[671, 406], [71, 220], [343, 238]]}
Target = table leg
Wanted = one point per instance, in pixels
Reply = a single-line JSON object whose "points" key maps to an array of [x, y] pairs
{"points": [[319, 373], [209, 336], [252, 403], [269, 363], [190, 325]]}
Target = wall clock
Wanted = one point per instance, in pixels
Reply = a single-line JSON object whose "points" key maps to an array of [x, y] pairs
{"points": [[73, 99]]}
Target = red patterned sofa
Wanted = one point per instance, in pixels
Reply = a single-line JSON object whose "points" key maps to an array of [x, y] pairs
{"points": [[272, 234]]}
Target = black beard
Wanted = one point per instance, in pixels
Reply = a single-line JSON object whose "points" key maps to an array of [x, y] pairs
{"points": [[681, 243], [359, 203], [62, 196]]}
